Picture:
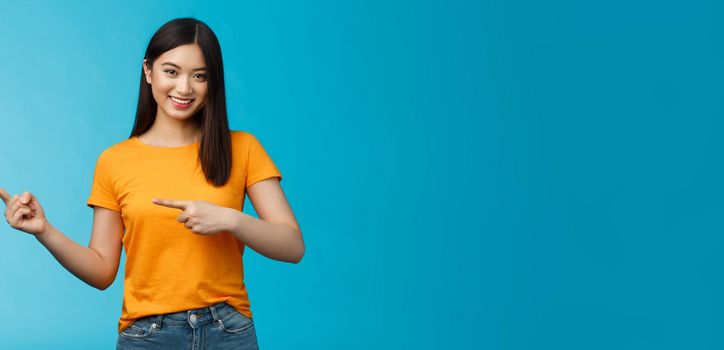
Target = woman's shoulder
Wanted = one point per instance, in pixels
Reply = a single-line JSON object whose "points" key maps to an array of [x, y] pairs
{"points": [[242, 137], [119, 148], [240, 134]]}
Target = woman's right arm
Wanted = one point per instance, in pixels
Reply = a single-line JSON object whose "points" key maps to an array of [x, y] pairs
{"points": [[96, 264]]}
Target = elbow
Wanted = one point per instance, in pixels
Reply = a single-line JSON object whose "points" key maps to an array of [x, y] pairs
{"points": [[297, 258], [294, 250], [291, 258], [100, 286], [300, 254], [103, 285]]}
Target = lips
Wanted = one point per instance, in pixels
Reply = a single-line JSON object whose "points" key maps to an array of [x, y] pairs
{"points": [[180, 102]]}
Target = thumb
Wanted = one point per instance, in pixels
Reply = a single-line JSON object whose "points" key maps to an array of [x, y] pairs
{"points": [[31, 201], [25, 197]]}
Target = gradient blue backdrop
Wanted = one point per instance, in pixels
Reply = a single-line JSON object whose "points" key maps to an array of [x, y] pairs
{"points": [[468, 175]]}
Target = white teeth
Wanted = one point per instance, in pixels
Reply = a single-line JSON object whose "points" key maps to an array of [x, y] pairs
{"points": [[183, 102]]}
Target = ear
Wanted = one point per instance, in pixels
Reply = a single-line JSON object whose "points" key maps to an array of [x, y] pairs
{"points": [[147, 71]]}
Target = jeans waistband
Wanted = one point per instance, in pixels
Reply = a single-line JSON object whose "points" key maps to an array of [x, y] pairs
{"points": [[193, 317]]}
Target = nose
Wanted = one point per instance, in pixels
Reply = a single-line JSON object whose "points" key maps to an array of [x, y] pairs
{"points": [[183, 87]]}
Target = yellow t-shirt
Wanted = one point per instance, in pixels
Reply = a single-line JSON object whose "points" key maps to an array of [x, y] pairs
{"points": [[168, 267]]}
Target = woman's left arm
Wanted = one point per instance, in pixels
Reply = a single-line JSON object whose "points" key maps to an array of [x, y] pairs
{"points": [[276, 233]]}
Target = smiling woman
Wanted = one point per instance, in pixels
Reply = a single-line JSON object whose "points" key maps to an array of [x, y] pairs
{"points": [[173, 82], [183, 61], [173, 190]]}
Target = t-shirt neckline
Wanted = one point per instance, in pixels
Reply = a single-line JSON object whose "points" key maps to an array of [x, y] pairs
{"points": [[137, 141]]}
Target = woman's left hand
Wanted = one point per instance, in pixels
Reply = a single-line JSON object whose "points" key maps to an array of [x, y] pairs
{"points": [[199, 216]]}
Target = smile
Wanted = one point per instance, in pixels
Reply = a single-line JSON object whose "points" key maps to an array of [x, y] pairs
{"points": [[180, 100]]}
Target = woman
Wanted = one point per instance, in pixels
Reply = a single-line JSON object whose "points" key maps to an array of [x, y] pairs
{"points": [[177, 186]]}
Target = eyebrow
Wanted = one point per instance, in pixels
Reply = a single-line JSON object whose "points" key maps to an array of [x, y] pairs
{"points": [[177, 66]]}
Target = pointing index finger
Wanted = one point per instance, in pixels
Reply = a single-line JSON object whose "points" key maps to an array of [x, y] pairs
{"points": [[171, 203], [4, 195]]}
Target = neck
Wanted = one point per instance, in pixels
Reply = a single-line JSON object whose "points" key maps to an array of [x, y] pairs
{"points": [[169, 132]]}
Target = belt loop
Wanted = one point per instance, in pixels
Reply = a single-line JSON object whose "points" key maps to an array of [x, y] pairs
{"points": [[159, 321], [213, 313]]}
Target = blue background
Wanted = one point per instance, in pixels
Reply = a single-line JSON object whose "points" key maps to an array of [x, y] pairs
{"points": [[467, 175]]}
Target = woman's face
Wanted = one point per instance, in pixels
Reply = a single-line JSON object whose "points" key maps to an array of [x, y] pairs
{"points": [[178, 81]]}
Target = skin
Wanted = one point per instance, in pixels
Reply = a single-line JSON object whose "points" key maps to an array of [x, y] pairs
{"points": [[172, 126], [276, 234]]}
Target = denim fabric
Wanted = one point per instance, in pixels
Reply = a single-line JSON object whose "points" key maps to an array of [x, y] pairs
{"points": [[218, 326]]}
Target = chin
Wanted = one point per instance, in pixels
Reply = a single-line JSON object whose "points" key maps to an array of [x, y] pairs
{"points": [[185, 115]]}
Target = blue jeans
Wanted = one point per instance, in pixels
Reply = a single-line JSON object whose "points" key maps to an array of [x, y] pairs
{"points": [[218, 326]]}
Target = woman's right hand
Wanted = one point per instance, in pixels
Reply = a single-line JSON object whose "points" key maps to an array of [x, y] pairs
{"points": [[24, 212]]}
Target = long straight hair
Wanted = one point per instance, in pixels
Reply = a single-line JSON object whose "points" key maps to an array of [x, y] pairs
{"points": [[215, 144]]}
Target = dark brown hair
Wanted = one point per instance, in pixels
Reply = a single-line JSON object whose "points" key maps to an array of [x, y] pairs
{"points": [[215, 143]]}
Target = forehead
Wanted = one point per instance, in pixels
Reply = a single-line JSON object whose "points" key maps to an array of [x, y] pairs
{"points": [[186, 56]]}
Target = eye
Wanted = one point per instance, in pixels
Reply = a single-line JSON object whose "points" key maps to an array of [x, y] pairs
{"points": [[170, 71], [200, 77]]}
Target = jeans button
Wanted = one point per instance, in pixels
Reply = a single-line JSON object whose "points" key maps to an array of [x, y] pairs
{"points": [[193, 317]]}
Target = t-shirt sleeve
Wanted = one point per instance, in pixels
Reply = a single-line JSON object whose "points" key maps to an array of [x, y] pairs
{"points": [[102, 193], [259, 165]]}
